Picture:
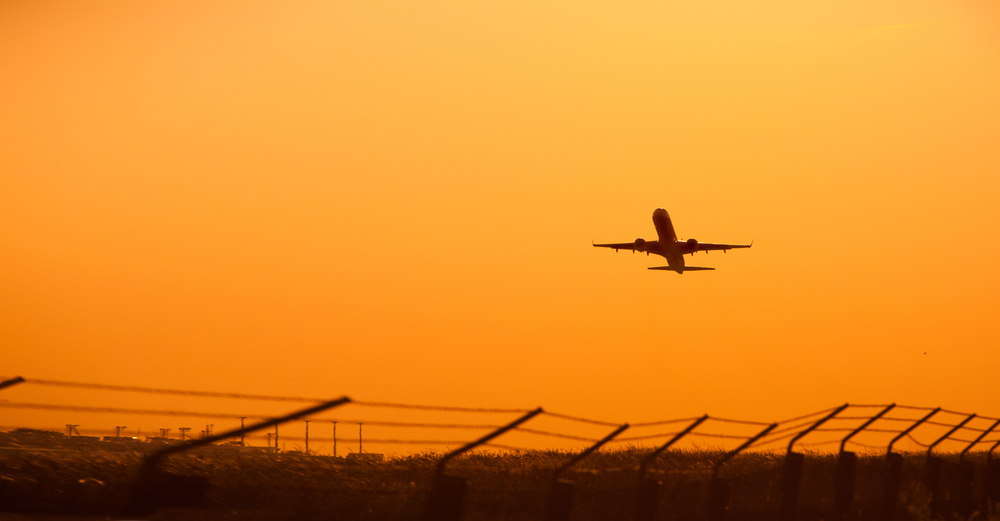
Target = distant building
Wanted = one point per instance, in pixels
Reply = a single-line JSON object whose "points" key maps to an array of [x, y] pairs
{"points": [[162, 441], [122, 439]]}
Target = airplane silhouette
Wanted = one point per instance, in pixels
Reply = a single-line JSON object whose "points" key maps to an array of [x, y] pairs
{"points": [[668, 246]]}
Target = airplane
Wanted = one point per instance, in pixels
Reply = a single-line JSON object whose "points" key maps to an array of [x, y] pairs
{"points": [[668, 246]]}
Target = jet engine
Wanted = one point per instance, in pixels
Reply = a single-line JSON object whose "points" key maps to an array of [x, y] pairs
{"points": [[640, 244], [692, 245]]}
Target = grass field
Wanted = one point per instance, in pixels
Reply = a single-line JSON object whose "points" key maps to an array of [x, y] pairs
{"points": [[501, 486]]}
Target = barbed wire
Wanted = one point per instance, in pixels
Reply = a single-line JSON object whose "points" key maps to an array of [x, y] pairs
{"points": [[664, 422], [711, 435], [890, 418], [773, 437], [760, 443], [175, 392], [890, 431], [942, 424], [447, 408], [797, 428], [741, 422], [769, 439], [581, 420], [643, 437], [948, 411], [554, 434], [251, 396], [797, 418], [267, 397], [974, 429], [261, 397]]}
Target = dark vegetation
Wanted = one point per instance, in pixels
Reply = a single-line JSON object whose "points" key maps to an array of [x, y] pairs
{"points": [[502, 486]]}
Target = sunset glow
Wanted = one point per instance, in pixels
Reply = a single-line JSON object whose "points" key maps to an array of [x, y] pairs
{"points": [[395, 201]]}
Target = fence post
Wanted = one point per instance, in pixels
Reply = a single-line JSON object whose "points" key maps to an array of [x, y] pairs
{"points": [[891, 481], [844, 477], [718, 488], [156, 489], [791, 475], [894, 471], [845, 474], [560, 502], [12, 381], [939, 501], [448, 492], [992, 482], [966, 494], [961, 455], [791, 472], [963, 494], [648, 493]]}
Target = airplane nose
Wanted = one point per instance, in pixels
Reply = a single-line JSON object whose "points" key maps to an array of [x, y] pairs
{"points": [[659, 211]]}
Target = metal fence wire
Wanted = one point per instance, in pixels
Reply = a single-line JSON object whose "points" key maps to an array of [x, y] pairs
{"points": [[803, 468]]}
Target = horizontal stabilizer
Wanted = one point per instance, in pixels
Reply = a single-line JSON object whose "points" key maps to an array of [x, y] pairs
{"points": [[685, 268]]}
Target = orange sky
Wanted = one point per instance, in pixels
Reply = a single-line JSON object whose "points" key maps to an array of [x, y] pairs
{"points": [[395, 201]]}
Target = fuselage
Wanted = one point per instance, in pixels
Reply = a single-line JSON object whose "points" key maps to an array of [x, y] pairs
{"points": [[667, 244]]}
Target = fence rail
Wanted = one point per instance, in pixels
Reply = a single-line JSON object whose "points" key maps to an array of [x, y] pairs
{"points": [[952, 490]]}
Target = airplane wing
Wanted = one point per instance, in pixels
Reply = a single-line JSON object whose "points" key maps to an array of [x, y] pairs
{"points": [[623, 246], [709, 246]]}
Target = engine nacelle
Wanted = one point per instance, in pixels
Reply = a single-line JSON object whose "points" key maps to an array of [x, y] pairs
{"points": [[640, 244], [692, 245]]}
